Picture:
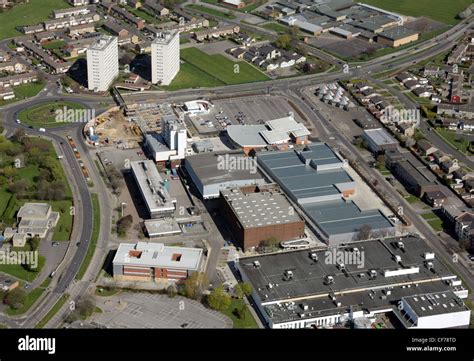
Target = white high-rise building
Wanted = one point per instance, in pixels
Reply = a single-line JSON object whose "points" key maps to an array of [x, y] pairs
{"points": [[174, 135], [102, 63], [165, 57]]}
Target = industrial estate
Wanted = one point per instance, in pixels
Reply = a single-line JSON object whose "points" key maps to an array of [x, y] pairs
{"points": [[296, 164]]}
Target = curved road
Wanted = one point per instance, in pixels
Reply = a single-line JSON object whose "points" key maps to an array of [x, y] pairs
{"points": [[393, 61]]}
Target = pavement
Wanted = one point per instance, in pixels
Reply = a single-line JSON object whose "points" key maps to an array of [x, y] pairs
{"points": [[65, 280], [147, 310]]}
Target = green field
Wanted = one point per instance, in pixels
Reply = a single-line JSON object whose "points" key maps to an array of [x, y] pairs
{"points": [[18, 271], [44, 115], [54, 44], [203, 70], [95, 237], [24, 91], [275, 27], [246, 9], [458, 142], [8, 210], [207, 10], [247, 322], [440, 10], [434, 221], [191, 77], [29, 14]]}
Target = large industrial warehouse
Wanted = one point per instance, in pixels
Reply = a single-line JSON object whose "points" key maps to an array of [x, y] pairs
{"points": [[257, 213], [315, 178], [356, 283], [211, 172]]}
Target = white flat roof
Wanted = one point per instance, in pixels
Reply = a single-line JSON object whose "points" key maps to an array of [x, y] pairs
{"points": [[152, 186], [158, 255]]}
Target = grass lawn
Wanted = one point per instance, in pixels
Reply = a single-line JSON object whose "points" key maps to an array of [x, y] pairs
{"points": [[24, 91], [412, 199], [207, 10], [32, 13], [275, 27], [44, 115], [221, 68], [28, 90], [54, 44], [55, 309], [460, 143], [31, 298], [190, 76], [247, 322], [95, 236], [4, 199], [62, 231], [18, 271], [434, 221], [440, 10]]}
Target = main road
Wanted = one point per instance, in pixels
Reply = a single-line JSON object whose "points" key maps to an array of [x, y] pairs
{"points": [[394, 61]]}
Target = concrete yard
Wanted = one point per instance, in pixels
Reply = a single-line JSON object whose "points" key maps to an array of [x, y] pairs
{"points": [[255, 110], [146, 310]]}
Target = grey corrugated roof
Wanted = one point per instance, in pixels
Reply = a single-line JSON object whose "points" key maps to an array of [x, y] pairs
{"points": [[305, 182]]}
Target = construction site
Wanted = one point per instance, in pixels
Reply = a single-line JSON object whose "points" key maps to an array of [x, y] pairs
{"points": [[113, 128]]}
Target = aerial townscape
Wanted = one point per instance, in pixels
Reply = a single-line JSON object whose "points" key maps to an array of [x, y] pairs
{"points": [[246, 164]]}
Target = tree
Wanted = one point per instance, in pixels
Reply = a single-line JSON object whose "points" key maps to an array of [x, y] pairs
{"points": [[18, 187], [124, 224], [9, 172], [171, 291], [242, 289], [246, 288], [34, 243], [15, 298], [218, 299], [293, 32], [283, 41], [18, 135], [364, 232], [195, 285], [271, 242], [240, 312]]}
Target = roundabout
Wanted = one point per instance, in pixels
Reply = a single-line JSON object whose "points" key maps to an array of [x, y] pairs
{"points": [[53, 114]]}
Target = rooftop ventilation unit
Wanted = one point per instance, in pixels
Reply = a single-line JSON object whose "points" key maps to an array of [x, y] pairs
{"points": [[341, 266], [428, 255], [373, 273], [329, 280], [401, 245], [288, 275], [314, 256], [429, 265], [397, 258]]}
